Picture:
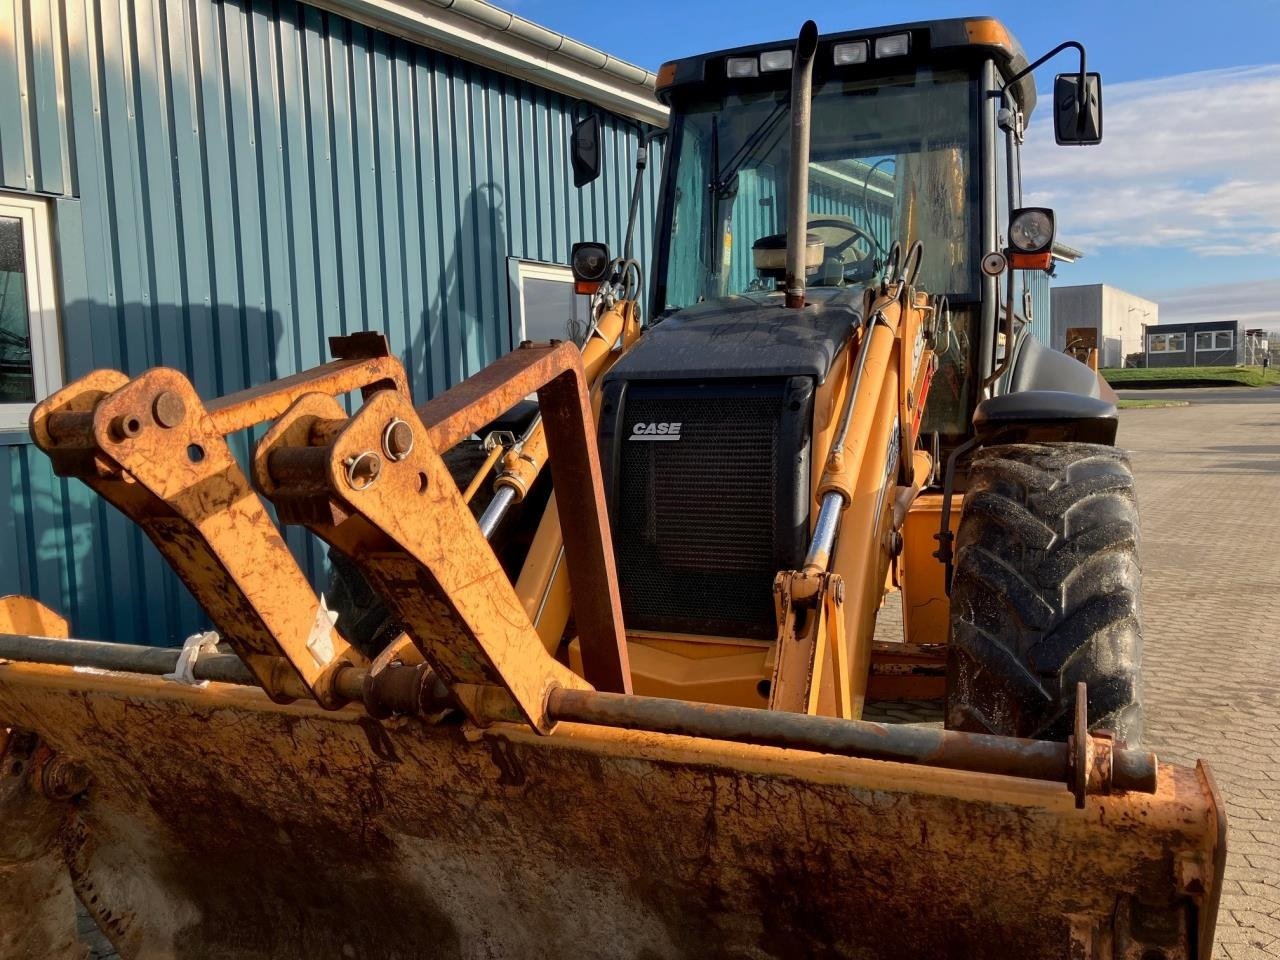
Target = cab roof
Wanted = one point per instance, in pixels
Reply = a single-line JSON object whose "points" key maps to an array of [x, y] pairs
{"points": [[930, 41]]}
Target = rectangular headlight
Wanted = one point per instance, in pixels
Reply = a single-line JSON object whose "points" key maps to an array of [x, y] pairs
{"points": [[775, 60], [843, 54], [742, 67], [894, 45]]}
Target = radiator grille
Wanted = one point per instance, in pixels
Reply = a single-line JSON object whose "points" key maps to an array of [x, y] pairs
{"points": [[697, 519]]}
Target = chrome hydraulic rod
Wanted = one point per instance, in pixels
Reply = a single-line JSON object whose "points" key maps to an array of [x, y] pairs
{"points": [[496, 510], [818, 559]]}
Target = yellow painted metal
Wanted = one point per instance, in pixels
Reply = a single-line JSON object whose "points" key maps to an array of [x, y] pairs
{"points": [[408, 529], [252, 829], [543, 585], [841, 466], [616, 327], [862, 556], [478, 480], [829, 401], [27, 616], [150, 447], [926, 609], [729, 674]]}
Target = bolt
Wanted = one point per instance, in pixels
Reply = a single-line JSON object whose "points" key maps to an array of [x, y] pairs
{"points": [[363, 469], [63, 779], [126, 427], [893, 543], [397, 440], [169, 410], [526, 344], [555, 342]]}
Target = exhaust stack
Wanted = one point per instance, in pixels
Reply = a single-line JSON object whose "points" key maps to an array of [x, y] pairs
{"points": [[798, 188]]}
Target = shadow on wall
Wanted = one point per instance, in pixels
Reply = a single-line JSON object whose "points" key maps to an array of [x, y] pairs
{"points": [[466, 328], [75, 552]]}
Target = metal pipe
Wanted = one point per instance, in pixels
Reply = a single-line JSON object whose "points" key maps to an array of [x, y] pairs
{"points": [[497, 451], [637, 188], [798, 187], [392, 690], [949, 749], [496, 510]]}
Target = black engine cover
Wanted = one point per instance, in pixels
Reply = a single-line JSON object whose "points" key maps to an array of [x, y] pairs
{"points": [[704, 438]]}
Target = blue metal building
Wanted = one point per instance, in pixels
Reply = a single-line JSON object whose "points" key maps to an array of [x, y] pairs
{"points": [[220, 185]]}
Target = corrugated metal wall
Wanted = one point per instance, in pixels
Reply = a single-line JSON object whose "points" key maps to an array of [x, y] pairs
{"points": [[232, 182], [1037, 282]]}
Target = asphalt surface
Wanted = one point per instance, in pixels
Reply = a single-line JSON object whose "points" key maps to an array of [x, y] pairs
{"points": [[1229, 395], [1209, 483]]}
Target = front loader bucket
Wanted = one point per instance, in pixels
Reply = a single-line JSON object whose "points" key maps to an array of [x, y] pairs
{"points": [[217, 823]]}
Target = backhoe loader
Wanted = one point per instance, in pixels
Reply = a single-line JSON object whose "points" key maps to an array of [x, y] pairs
{"points": [[589, 680]]}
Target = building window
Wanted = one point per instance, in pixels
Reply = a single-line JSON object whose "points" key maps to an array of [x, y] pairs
{"points": [[1167, 343], [30, 351], [543, 304], [1215, 340]]}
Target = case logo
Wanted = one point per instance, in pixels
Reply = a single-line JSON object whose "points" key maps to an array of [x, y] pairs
{"points": [[656, 431]]}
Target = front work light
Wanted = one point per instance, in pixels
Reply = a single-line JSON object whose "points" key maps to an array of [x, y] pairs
{"points": [[775, 60], [843, 54], [589, 263], [742, 67], [1031, 230], [1031, 239], [894, 45]]}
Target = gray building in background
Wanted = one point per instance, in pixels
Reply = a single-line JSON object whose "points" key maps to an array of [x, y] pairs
{"points": [[1119, 317], [1207, 343]]}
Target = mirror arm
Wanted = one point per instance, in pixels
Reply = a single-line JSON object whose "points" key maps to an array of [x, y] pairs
{"points": [[1068, 45], [642, 161]]}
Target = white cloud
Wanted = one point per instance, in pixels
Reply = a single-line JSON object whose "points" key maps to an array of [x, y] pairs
{"points": [[1255, 304], [1189, 161]]}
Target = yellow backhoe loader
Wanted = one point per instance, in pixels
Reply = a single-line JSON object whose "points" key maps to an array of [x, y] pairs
{"points": [[613, 708]]}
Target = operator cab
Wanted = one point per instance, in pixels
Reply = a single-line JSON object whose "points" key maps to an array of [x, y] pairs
{"points": [[901, 117]]}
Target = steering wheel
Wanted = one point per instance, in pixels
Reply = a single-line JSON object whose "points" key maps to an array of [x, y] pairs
{"points": [[863, 266]]}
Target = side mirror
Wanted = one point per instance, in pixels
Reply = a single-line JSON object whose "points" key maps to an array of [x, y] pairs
{"points": [[589, 262], [1077, 114], [585, 150]]}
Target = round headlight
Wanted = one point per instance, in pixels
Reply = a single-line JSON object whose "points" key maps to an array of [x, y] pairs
{"points": [[589, 261], [1031, 231]]}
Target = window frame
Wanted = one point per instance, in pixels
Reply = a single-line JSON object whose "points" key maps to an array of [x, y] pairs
{"points": [[1213, 337], [1181, 336], [43, 324], [518, 271]]}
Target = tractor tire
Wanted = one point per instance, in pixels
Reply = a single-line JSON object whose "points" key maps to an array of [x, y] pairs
{"points": [[1045, 593]]}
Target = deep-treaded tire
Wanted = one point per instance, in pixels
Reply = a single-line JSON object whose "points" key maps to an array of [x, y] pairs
{"points": [[1046, 593]]}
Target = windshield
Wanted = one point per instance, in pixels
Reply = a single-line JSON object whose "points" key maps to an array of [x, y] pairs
{"points": [[889, 161]]}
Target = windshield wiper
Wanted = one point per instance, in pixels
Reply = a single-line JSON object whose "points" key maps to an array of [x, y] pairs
{"points": [[750, 144]]}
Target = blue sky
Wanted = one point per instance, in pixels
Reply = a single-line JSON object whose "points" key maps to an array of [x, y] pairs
{"points": [[1180, 203]]}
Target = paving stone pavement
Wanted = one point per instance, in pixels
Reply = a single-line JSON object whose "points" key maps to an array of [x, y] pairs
{"points": [[1209, 484], [1209, 489]]}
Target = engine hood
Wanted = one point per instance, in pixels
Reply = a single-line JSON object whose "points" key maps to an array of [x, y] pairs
{"points": [[746, 336]]}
